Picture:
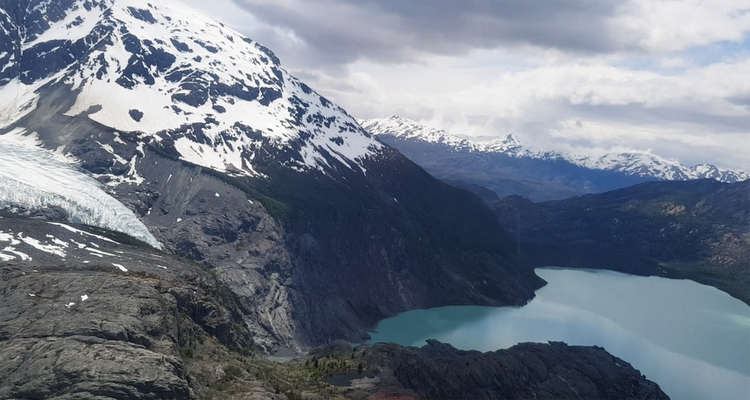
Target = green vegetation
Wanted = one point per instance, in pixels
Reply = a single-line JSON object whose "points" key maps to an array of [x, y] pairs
{"points": [[223, 374]]}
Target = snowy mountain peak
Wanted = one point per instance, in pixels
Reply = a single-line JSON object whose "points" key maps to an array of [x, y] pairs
{"points": [[642, 164], [175, 77], [512, 140], [648, 164], [406, 128], [508, 144]]}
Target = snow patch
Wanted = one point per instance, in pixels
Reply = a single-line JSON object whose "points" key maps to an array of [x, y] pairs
{"points": [[21, 255], [49, 248], [120, 267], [77, 24], [99, 253], [82, 233]]}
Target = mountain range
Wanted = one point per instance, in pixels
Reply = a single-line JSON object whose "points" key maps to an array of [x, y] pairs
{"points": [[507, 167]]}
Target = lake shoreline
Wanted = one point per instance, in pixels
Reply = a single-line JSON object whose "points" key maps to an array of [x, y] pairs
{"points": [[628, 315]]}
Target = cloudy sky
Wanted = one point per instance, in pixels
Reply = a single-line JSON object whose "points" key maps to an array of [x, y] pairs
{"points": [[672, 77]]}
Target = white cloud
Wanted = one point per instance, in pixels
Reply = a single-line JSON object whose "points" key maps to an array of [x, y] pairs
{"points": [[672, 25]]}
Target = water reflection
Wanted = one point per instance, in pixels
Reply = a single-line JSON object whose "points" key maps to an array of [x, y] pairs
{"points": [[692, 339]]}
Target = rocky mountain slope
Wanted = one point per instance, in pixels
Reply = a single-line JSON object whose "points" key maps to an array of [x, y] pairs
{"points": [[87, 313], [696, 229], [508, 168], [226, 158]]}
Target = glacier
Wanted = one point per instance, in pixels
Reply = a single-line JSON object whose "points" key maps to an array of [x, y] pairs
{"points": [[35, 178]]}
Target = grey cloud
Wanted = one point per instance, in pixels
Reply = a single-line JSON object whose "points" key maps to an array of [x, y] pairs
{"points": [[743, 100], [664, 116], [342, 31], [691, 119]]}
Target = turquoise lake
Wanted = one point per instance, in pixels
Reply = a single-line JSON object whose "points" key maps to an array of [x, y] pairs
{"points": [[692, 339]]}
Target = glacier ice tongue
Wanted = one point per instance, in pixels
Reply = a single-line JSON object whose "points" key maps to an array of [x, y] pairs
{"points": [[36, 178]]}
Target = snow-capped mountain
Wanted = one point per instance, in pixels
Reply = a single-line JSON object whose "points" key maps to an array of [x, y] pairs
{"points": [[404, 128], [175, 77], [642, 164], [650, 165]]}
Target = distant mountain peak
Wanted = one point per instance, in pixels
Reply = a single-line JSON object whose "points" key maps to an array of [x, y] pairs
{"points": [[648, 164], [406, 128], [635, 163], [511, 139], [508, 144]]}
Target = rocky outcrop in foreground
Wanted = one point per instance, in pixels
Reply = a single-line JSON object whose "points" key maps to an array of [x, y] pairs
{"points": [[526, 371], [85, 315]]}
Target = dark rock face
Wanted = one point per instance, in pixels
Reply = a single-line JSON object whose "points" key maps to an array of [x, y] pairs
{"points": [[696, 230], [135, 114], [62, 368], [526, 371], [316, 260], [396, 240]]}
